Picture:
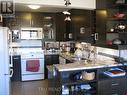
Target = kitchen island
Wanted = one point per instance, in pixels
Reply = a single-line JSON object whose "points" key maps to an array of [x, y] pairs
{"points": [[69, 79]]}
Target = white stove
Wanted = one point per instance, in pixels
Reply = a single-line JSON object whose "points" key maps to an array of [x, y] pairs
{"points": [[32, 65]]}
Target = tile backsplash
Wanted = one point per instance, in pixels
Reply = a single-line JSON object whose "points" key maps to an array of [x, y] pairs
{"points": [[113, 52]]}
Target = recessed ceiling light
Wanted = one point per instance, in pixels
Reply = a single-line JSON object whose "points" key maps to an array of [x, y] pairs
{"points": [[34, 6]]}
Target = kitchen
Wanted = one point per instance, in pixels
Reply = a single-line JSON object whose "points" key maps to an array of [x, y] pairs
{"points": [[60, 33]]}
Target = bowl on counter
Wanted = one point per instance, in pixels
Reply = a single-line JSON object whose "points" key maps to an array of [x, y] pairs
{"points": [[119, 15]]}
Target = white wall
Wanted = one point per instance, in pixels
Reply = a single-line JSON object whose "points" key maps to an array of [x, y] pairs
{"points": [[27, 43], [113, 52], [84, 4]]}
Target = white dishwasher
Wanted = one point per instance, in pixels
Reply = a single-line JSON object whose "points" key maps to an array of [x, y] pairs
{"points": [[32, 66]]}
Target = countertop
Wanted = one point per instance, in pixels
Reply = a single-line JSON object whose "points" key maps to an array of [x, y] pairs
{"points": [[80, 65], [51, 53]]}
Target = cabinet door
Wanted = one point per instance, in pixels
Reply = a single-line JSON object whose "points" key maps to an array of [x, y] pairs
{"points": [[48, 60], [60, 27], [104, 4], [123, 86], [17, 68], [114, 86], [13, 23], [37, 20], [104, 87], [101, 16], [69, 31], [55, 59], [49, 27], [101, 4], [82, 24], [51, 59], [26, 19], [64, 30]]}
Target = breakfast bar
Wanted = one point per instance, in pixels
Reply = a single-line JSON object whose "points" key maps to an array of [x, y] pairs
{"points": [[87, 78]]}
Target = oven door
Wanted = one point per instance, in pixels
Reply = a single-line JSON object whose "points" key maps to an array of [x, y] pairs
{"points": [[25, 70]]}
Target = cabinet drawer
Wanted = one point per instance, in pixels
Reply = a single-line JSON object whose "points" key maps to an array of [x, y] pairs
{"points": [[115, 85]]}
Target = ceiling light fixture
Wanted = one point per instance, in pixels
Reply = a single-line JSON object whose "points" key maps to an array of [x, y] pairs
{"points": [[67, 2], [66, 13], [34, 6], [67, 18]]}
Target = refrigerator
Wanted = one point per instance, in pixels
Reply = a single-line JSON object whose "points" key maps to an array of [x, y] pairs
{"points": [[5, 66]]}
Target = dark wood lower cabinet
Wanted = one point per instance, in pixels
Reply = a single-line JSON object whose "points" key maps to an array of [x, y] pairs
{"points": [[50, 60], [71, 83], [16, 68], [114, 86]]}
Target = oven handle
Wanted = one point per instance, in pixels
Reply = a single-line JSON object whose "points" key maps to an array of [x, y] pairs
{"points": [[31, 58]]}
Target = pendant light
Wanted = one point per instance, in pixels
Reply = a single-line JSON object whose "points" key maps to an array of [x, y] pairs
{"points": [[67, 2]]}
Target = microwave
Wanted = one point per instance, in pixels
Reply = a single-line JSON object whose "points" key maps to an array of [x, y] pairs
{"points": [[31, 33]]}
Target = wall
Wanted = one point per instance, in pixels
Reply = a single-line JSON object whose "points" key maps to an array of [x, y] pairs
{"points": [[84, 4], [27, 43], [113, 52], [108, 53], [25, 46]]}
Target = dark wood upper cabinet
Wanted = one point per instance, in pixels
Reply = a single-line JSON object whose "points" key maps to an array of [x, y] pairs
{"points": [[80, 28], [13, 22], [49, 27], [26, 19], [108, 22], [37, 20], [82, 23], [101, 19], [101, 4], [31, 19], [60, 27]]}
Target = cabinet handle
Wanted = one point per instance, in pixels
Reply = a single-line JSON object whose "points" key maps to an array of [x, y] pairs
{"points": [[11, 73], [96, 36], [65, 35], [15, 58], [115, 94], [114, 84], [31, 22]]}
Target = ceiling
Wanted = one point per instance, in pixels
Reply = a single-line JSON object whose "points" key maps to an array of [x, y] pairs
{"points": [[52, 9]]}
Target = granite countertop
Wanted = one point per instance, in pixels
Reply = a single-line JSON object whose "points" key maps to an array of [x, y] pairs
{"points": [[67, 56], [80, 65], [51, 53]]}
